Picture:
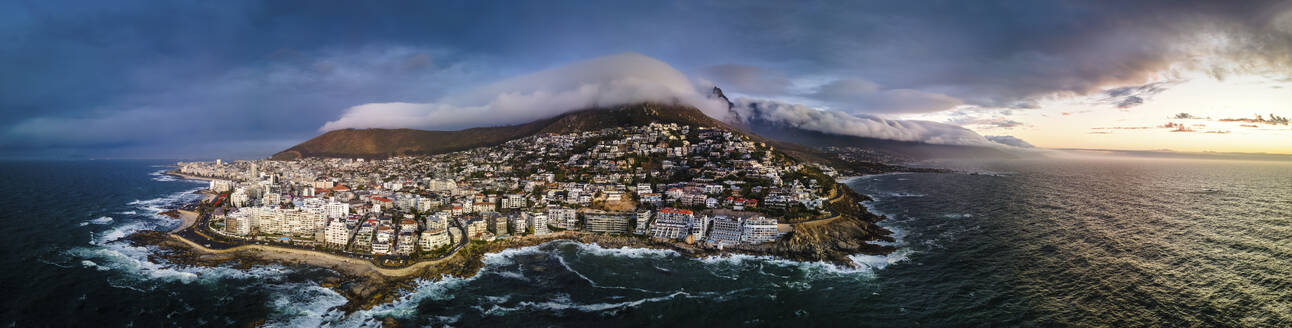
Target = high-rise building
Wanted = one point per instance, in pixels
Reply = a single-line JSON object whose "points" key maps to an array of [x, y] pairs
{"points": [[606, 222]]}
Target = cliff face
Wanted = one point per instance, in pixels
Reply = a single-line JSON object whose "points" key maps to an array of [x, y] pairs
{"points": [[381, 143]]}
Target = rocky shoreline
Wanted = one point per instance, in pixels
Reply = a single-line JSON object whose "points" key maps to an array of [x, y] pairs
{"points": [[831, 240]]}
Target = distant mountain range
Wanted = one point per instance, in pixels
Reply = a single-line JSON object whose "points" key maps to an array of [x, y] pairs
{"points": [[799, 143]]}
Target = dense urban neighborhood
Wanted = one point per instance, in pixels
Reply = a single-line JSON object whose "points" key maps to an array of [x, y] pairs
{"points": [[698, 185]]}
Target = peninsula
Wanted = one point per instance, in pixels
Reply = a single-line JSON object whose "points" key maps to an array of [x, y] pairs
{"points": [[692, 186]]}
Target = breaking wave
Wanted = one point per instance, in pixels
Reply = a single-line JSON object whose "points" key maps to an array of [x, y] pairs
{"points": [[100, 221], [304, 305], [562, 303], [625, 251]]}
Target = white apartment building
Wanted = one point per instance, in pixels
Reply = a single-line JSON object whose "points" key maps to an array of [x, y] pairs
{"points": [[337, 234], [336, 209], [221, 185], [758, 230], [432, 239], [537, 221], [564, 218]]}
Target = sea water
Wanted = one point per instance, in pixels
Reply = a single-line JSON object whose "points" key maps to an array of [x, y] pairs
{"points": [[1071, 242]]}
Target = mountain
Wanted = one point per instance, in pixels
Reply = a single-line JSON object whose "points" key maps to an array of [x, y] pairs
{"points": [[872, 149], [381, 143], [850, 152]]}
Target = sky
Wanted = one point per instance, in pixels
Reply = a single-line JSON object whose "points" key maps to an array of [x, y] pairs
{"points": [[235, 79]]}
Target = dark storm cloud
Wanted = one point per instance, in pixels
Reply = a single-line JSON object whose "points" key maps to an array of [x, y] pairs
{"points": [[1134, 95], [142, 78], [158, 79], [999, 53], [867, 96]]}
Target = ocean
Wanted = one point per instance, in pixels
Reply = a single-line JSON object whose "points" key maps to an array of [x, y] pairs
{"points": [[1095, 241]]}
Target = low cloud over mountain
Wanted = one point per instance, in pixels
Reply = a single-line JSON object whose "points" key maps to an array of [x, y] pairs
{"points": [[625, 79], [858, 125], [599, 82]]}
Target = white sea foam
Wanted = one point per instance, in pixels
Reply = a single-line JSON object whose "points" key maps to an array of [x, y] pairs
{"points": [[162, 176], [879, 262], [498, 299], [134, 263], [109, 253], [957, 216], [119, 231], [504, 257], [562, 303], [904, 194], [406, 305], [880, 175], [152, 207], [96, 266], [810, 269], [304, 305], [511, 274], [625, 251]]}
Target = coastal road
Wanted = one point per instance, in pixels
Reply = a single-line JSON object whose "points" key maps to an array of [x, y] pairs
{"points": [[195, 234]]}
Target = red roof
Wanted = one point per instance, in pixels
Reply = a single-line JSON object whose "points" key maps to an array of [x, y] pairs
{"points": [[381, 199], [341, 188], [671, 210]]}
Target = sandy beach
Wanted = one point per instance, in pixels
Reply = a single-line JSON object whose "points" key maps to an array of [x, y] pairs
{"points": [[188, 218]]}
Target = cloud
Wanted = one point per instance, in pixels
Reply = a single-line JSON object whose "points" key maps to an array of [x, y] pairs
{"points": [[599, 82], [1274, 119], [998, 53], [1134, 95], [281, 79], [866, 96], [995, 122], [1010, 141], [835, 122], [1186, 116], [282, 100], [747, 79]]}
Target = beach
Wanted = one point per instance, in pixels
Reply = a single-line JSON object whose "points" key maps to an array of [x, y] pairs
{"points": [[188, 218]]}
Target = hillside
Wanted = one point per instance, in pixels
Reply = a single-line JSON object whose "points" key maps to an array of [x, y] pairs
{"points": [[381, 143], [872, 149]]}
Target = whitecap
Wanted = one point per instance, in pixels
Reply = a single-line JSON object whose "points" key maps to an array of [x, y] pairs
{"points": [[904, 194], [879, 262], [304, 305], [625, 251], [135, 264], [562, 303], [511, 274], [406, 305], [498, 299], [101, 220]]}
